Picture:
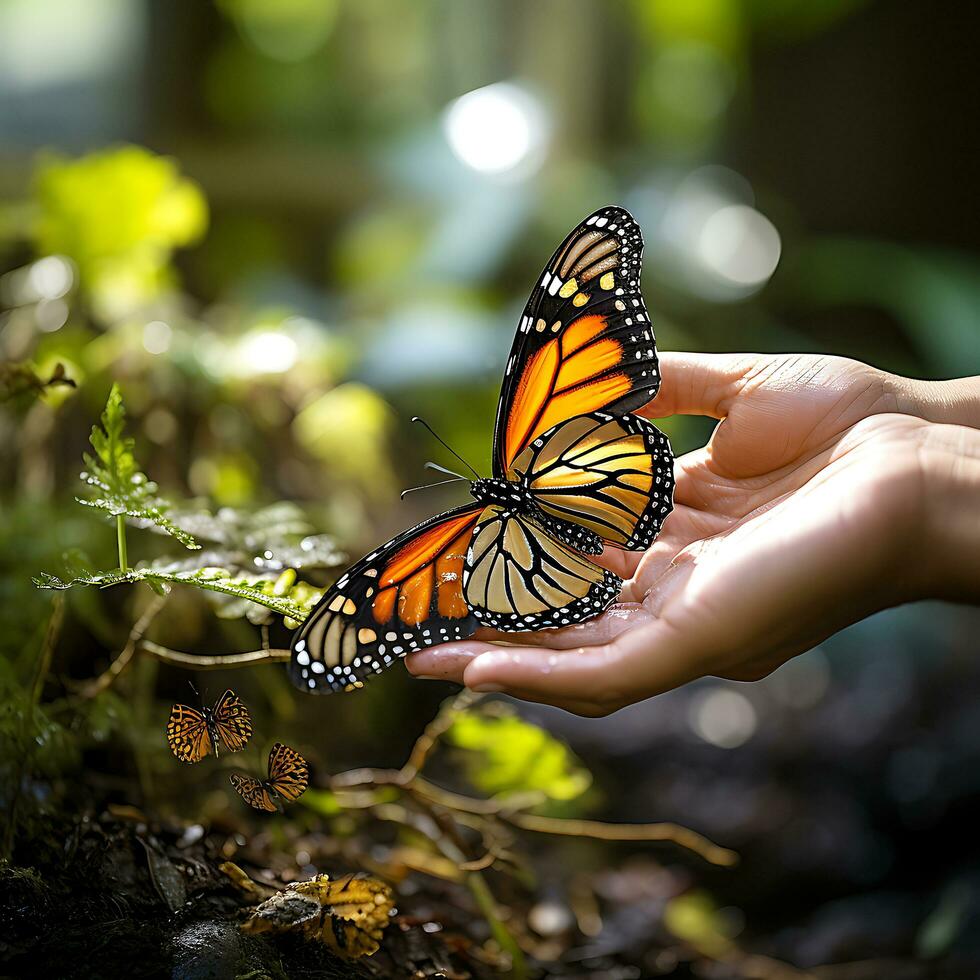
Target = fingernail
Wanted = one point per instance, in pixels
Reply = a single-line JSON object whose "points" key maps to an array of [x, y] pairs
{"points": [[487, 689]]}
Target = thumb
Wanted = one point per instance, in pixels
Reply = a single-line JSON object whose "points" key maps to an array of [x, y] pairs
{"points": [[700, 384]]}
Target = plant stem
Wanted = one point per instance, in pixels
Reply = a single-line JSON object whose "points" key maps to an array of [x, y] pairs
{"points": [[484, 899], [121, 542]]}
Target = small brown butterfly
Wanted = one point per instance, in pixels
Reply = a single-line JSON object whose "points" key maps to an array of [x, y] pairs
{"points": [[289, 776], [193, 734]]}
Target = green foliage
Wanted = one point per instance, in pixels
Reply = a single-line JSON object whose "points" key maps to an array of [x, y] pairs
{"points": [[294, 604], [507, 755], [250, 565], [118, 214], [18, 379], [39, 744], [114, 480]]}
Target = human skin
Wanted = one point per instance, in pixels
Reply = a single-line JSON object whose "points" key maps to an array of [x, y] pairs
{"points": [[830, 490]]}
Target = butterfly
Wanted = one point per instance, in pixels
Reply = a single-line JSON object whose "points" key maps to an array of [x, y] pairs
{"points": [[289, 775], [193, 734], [573, 471]]}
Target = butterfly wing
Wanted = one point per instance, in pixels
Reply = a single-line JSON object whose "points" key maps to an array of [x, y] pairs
{"points": [[612, 475], [187, 733], [289, 775], [519, 577], [405, 596], [253, 792], [232, 721], [584, 343]]}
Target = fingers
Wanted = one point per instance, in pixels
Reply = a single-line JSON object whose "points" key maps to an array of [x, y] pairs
{"points": [[648, 657], [449, 660], [640, 663], [699, 384]]}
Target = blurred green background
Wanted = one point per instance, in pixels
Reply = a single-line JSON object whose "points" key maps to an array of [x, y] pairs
{"points": [[284, 228]]}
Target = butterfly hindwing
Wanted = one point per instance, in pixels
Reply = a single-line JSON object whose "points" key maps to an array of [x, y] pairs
{"points": [[187, 734], [253, 791], [289, 775], [610, 475], [519, 577], [232, 721], [584, 342], [404, 596]]}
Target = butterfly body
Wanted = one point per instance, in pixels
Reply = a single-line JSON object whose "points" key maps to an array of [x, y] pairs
{"points": [[195, 733], [517, 498], [574, 471]]}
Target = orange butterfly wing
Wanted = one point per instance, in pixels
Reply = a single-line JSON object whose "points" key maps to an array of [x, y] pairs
{"points": [[187, 734], [405, 596], [232, 721], [584, 342], [289, 774]]}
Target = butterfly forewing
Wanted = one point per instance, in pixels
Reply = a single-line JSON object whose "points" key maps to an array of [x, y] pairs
{"points": [[253, 791], [611, 475], [402, 597], [187, 734], [584, 342], [232, 721], [289, 774]]}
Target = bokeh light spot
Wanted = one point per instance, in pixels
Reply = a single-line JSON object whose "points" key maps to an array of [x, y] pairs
{"points": [[157, 336], [495, 129], [722, 717], [741, 245]]}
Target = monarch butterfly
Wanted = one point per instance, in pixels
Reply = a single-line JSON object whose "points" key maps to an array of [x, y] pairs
{"points": [[572, 472], [193, 734], [289, 776]]}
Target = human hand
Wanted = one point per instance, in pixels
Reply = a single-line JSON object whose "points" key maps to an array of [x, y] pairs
{"points": [[808, 509]]}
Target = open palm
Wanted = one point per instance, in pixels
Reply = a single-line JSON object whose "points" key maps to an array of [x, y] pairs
{"points": [[783, 531]]}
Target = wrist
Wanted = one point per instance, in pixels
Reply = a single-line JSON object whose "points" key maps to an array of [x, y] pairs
{"points": [[953, 402]]}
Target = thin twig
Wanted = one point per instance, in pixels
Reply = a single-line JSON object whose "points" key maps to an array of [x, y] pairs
{"points": [[436, 728], [510, 810], [596, 829], [219, 662], [89, 689]]}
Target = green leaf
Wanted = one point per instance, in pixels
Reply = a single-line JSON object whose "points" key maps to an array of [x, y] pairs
{"points": [[295, 605], [115, 484], [507, 755], [118, 214], [321, 801], [272, 538]]}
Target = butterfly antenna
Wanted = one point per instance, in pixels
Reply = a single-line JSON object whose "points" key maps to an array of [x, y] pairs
{"points": [[190, 684], [415, 418], [442, 469], [429, 486]]}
